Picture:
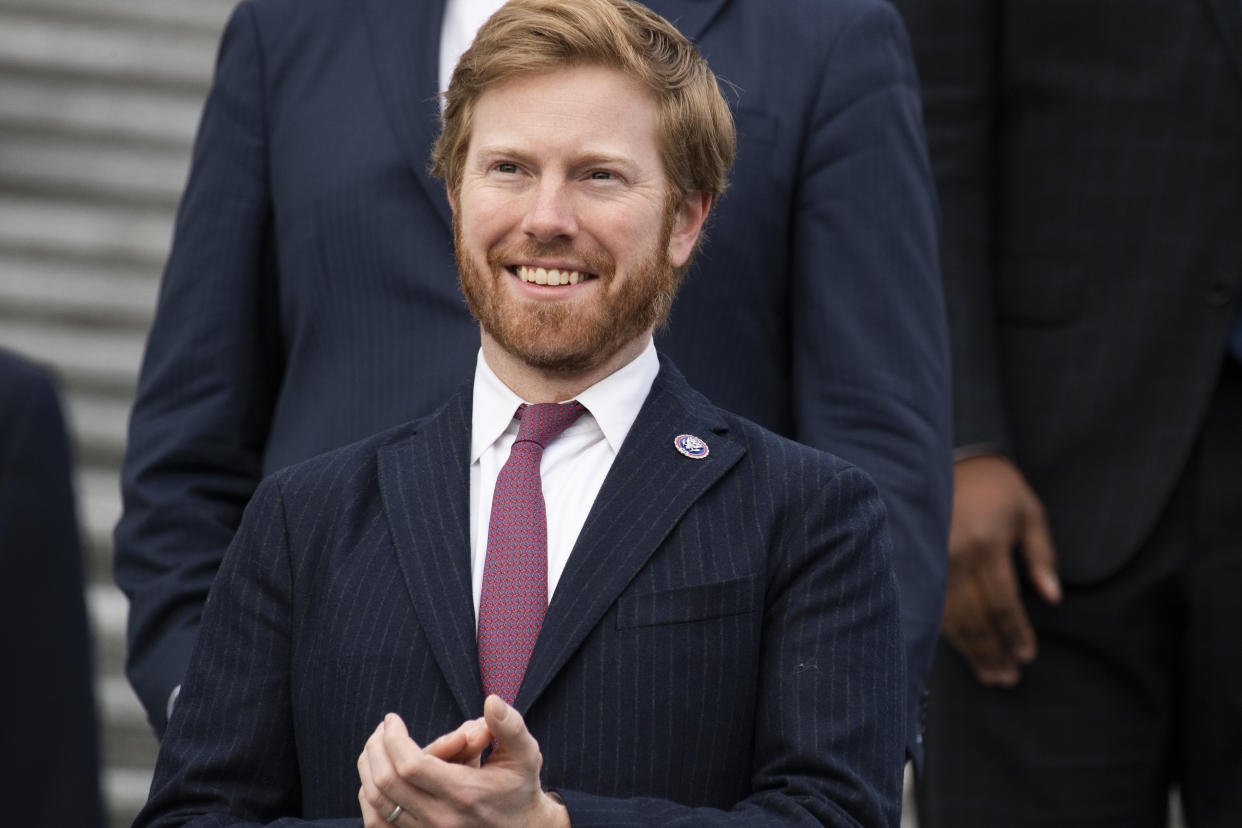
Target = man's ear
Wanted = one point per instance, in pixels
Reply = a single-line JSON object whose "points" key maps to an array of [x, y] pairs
{"points": [[687, 226], [452, 202]]}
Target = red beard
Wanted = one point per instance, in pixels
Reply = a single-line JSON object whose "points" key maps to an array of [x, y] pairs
{"points": [[566, 338]]}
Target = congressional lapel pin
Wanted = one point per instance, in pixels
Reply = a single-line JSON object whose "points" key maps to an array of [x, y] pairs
{"points": [[691, 446]]}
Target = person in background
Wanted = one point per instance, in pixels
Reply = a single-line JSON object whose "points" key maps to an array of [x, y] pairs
{"points": [[722, 647], [1089, 161], [49, 743]]}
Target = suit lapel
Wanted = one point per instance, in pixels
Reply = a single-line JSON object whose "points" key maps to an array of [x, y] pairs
{"points": [[1228, 17], [405, 36], [425, 486], [630, 518], [691, 17]]}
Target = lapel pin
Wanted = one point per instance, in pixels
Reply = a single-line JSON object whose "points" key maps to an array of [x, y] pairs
{"points": [[691, 446]]}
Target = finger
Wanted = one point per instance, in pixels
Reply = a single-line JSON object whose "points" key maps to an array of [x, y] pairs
{"points": [[447, 746], [1040, 554], [375, 808], [370, 817], [967, 630], [513, 740], [386, 763], [1004, 611], [478, 737], [463, 746], [371, 761], [406, 757]]}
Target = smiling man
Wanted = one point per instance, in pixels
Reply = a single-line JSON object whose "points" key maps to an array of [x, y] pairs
{"points": [[578, 593]]}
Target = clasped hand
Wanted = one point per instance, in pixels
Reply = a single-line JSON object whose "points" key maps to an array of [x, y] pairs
{"points": [[446, 783]]}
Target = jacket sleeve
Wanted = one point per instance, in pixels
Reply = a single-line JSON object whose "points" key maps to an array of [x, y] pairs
{"points": [[955, 47], [871, 358], [228, 759], [208, 382]]}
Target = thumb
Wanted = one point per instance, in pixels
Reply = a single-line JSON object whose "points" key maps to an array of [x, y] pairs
{"points": [[1041, 557], [394, 729], [508, 728]]}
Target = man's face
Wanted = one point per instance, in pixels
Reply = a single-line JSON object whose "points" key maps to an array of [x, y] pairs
{"points": [[566, 246]]}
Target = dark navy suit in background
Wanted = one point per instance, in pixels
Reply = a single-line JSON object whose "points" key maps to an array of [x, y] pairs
{"points": [[1089, 158], [311, 296], [49, 741], [728, 641]]}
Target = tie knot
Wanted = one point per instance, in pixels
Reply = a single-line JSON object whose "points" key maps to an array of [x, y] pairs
{"points": [[542, 422]]}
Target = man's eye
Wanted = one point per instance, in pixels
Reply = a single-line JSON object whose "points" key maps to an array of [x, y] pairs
{"points": [[601, 175], [506, 168]]}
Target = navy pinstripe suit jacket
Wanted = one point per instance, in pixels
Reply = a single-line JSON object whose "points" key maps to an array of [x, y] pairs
{"points": [[723, 647]]}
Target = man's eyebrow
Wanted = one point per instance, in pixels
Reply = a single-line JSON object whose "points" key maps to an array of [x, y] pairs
{"points": [[587, 159], [500, 151], [602, 159]]}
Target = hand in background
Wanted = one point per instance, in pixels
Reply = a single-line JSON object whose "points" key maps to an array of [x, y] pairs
{"points": [[994, 511]]}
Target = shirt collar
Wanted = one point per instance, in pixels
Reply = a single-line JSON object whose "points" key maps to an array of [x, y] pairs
{"points": [[614, 401]]}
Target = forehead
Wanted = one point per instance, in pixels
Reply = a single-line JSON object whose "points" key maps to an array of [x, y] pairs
{"points": [[581, 109]]}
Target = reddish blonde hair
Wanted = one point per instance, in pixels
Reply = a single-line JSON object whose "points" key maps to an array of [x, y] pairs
{"points": [[697, 139]]}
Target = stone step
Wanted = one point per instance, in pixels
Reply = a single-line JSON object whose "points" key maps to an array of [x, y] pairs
{"points": [[120, 170], [77, 292], [100, 232], [98, 423], [94, 107], [94, 358], [108, 609], [117, 50], [128, 746], [99, 507], [205, 16], [125, 791]]}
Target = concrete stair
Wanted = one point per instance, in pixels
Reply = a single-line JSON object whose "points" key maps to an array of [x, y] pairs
{"points": [[99, 100]]}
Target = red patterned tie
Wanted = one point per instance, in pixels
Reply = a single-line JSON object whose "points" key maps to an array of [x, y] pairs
{"points": [[515, 574]]}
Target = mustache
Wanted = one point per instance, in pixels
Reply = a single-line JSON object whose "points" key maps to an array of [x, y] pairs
{"points": [[592, 261]]}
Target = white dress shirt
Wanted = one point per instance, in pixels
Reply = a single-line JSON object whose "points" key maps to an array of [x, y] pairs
{"points": [[573, 467], [462, 19]]}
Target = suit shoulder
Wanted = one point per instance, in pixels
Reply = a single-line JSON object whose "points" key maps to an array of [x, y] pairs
{"points": [[784, 456], [28, 390], [273, 9], [22, 375], [287, 28], [818, 17], [342, 462]]}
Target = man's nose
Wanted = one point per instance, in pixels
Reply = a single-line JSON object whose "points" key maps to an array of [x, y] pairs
{"points": [[550, 214]]}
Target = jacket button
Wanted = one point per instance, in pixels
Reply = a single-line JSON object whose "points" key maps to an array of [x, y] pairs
{"points": [[1218, 295]]}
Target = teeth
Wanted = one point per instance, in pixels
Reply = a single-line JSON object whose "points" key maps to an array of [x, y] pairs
{"points": [[544, 276]]}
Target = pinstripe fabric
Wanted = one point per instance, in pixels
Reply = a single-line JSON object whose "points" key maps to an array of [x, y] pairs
{"points": [[725, 640]]}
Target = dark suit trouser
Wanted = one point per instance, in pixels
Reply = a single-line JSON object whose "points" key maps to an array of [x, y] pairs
{"points": [[1137, 685]]}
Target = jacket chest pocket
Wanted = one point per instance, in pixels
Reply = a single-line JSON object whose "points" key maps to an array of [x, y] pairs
{"points": [[681, 605]]}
